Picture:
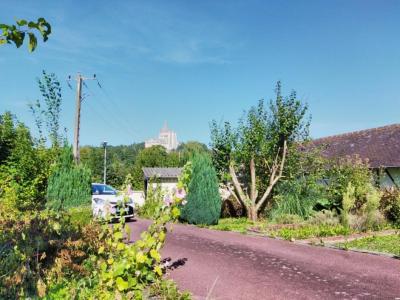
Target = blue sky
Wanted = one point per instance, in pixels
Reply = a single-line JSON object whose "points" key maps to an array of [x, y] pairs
{"points": [[188, 62]]}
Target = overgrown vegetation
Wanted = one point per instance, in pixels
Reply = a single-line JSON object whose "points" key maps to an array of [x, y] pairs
{"points": [[49, 246]]}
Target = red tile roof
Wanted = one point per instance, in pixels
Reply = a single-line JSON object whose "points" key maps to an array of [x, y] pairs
{"points": [[380, 146]]}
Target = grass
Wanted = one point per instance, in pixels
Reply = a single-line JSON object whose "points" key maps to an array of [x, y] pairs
{"points": [[386, 244], [81, 215], [309, 231], [298, 231], [236, 224]]}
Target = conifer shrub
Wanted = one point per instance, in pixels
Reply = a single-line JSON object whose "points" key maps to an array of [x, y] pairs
{"points": [[203, 199], [69, 185]]}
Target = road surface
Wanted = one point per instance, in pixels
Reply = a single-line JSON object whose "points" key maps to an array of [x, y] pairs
{"points": [[228, 265]]}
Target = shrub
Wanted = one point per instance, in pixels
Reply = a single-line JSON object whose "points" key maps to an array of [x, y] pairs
{"points": [[347, 204], [297, 197], [153, 200], [390, 204], [324, 217], [373, 218], [69, 184], [203, 200], [288, 219], [348, 170], [362, 222]]}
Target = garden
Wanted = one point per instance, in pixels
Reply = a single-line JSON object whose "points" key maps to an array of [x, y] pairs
{"points": [[261, 176], [265, 177]]}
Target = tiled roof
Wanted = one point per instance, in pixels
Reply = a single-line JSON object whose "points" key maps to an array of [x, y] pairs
{"points": [[162, 172], [380, 146]]}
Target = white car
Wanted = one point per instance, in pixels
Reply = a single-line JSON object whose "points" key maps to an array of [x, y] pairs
{"points": [[107, 203]]}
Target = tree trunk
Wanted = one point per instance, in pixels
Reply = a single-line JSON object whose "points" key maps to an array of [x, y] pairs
{"points": [[252, 213]]}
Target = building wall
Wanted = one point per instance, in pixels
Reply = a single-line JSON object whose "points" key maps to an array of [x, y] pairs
{"points": [[167, 184], [386, 180]]}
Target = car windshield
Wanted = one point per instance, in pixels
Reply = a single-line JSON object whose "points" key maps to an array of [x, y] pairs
{"points": [[103, 189]]}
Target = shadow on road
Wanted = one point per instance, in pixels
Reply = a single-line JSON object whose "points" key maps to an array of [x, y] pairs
{"points": [[174, 265]]}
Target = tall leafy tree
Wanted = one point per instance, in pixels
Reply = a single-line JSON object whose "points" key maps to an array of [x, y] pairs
{"points": [[203, 199], [253, 157], [48, 109]]}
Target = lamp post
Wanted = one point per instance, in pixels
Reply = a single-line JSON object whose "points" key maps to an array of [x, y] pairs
{"points": [[105, 162]]}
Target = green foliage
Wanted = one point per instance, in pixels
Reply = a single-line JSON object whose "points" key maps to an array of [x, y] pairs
{"points": [[235, 224], [260, 138], [125, 271], [186, 175], [348, 203], [223, 140], [297, 197], [153, 200], [16, 33], [48, 110], [23, 168], [387, 244], [390, 205], [69, 184], [371, 209], [203, 200], [187, 150], [324, 217], [288, 219], [349, 170], [310, 231]]}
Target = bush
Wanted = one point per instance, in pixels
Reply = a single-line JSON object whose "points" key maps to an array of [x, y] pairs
{"points": [[390, 204], [203, 200], [288, 219], [364, 222], [153, 201], [69, 184], [297, 197], [347, 204], [348, 170], [324, 217]]}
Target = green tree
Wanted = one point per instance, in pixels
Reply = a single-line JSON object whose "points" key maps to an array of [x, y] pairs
{"points": [[48, 110], [16, 33], [69, 184], [23, 168], [155, 156], [253, 156], [203, 200], [187, 150]]}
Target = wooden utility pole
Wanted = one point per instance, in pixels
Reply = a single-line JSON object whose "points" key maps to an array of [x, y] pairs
{"points": [[79, 81], [77, 117]]}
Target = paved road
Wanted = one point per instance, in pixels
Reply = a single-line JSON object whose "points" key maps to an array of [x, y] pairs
{"points": [[228, 265]]}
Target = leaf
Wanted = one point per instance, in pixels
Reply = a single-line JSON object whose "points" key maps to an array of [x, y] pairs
{"points": [[22, 22], [32, 42], [101, 250], [121, 284], [158, 270], [154, 254], [140, 257]]}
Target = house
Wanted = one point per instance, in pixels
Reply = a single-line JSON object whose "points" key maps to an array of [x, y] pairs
{"points": [[379, 146], [166, 177]]}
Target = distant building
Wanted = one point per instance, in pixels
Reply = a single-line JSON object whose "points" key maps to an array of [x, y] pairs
{"points": [[167, 138]]}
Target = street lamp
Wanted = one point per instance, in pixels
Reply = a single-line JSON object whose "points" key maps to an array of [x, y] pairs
{"points": [[105, 162]]}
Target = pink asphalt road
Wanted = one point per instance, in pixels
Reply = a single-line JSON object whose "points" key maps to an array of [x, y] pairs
{"points": [[227, 265]]}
